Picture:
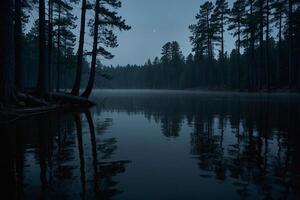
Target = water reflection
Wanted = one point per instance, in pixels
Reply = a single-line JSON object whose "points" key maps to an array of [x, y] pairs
{"points": [[182, 146], [59, 156], [248, 141]]}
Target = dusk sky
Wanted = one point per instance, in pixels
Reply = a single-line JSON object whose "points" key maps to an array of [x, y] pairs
{"points": [[153, 24]]}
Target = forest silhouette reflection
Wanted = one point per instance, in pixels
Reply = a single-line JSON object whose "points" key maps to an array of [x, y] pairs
{"points": [[59, 156], [248, 141], [244, 146]]}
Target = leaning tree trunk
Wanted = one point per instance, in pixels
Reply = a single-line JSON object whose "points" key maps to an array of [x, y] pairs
{"points": [[91, 81], [6, 52], [18, 40], [77, 81], [41, 84]]}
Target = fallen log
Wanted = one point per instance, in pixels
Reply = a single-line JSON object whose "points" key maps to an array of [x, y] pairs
{"points": [[114, 162], [31, 100], [59, 101], [13, 114], [37, 110], [71, 99]]}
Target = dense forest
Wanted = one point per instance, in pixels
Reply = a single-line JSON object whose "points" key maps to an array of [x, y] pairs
{"points": [[265, 57], [36, 65]]}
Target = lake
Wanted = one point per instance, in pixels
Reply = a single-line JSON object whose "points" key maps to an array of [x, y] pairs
{"points": [[139, 144]]}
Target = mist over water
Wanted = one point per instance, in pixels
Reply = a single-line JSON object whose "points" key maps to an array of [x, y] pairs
{"points": [[139, 144]]}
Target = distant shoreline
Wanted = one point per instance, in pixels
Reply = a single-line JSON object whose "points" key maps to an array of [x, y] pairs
{"points": [[202, 91]]}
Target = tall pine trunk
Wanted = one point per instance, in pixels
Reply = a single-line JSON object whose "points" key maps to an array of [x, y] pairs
{"points": [[279, 70], [252, 64], [58, 50], [50, 14], [222, 50], [290, 11], [77, 81], [91, 81], [6, 52], [268, 76], [261, 75], [222, 38], [239, 54], [41, 84], [18, 47]]}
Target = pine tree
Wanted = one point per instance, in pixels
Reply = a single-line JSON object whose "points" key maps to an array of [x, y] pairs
{"points": [[18, 38], [6, 52], [20, 18], [64, 23], [177, 61], [77, 81], [251, 27], [236, 18], [279, 9], [219, 21], [41, 83], [166, 53], [290, 41], [203, 31], [50, 41], [104, 21]]}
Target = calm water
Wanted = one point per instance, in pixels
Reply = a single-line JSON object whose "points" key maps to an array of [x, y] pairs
{"points": [[157, 145]]}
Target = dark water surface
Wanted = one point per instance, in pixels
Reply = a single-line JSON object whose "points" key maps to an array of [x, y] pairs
{"points": [[157, 145]]}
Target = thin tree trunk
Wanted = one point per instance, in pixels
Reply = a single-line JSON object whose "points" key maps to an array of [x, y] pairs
{"points": [[222, 50], [279, 71], [261, 77], [50, 14], [18, 40], [41, 84], [58, 50], [222, 38], [239, 54], [6, 52], [77, 81], [268, 77], [252, 63], [91, 81], [290, 5], [208, 36]]}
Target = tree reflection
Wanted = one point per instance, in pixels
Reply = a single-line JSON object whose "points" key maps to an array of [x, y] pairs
{"points": [[249, 141], [49, 159]]}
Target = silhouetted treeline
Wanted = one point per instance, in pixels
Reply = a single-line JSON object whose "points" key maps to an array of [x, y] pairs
{"points": [[266, 54]]}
